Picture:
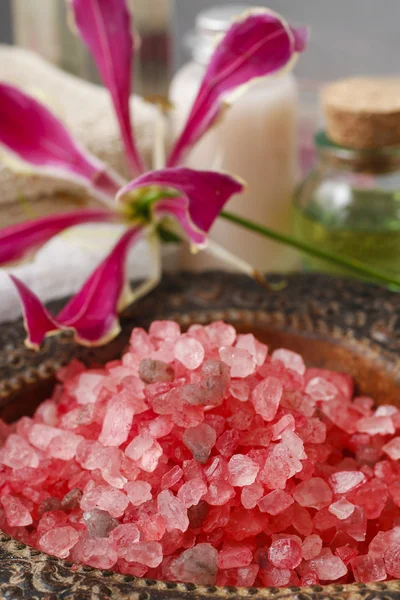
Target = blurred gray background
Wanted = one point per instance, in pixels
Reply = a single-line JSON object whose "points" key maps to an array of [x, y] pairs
{"points": [[348, 37]]}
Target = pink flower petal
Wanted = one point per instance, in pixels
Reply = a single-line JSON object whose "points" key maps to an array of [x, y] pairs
{"points": [[105, 27], [257, 45], [93, 312], [201, 195], [18, 240], [33, 134], [38, 322], [301, 37]]}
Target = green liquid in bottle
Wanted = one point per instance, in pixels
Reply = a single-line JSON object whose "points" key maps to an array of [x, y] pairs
{"points": [[360, 224]]}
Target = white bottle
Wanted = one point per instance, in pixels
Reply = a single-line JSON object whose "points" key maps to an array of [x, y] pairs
{"points": [[256, 140]]}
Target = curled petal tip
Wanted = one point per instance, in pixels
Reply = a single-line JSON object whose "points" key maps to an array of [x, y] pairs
{"points": [[301, 37], [38, 321]]}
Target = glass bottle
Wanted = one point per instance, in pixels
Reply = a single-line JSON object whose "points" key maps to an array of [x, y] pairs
{"points": [[349, 204], [257, 140], [43, 26]]}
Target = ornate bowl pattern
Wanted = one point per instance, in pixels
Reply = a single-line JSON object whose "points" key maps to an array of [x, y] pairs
{"points": [[336, 323]]}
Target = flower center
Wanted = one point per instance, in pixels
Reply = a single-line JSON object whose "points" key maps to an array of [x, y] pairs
{"points": [[140, 203]]}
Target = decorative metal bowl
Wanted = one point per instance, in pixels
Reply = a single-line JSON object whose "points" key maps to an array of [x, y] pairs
{"points": [[336, 323]]}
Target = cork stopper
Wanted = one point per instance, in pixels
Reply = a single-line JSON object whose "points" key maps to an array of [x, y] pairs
{"points": [[363, 113]]}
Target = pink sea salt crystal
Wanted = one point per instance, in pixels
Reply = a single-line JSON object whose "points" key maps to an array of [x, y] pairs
{"points": [[239, 360], [342, 509], [90, 455], [286, 422], [140, 342], [327, 566], [86, 388], [384, 409], [291, 360], [285, 553], [123, 536], [105, 497], [145, 451], [343, 382], [239, 389], [138, 492], [279, 466], [273, 577], [344, 481], [145, 553], [321, 390], [375, 425], [314, 493], [242, 470], [171, 478], [293, 444], [367, 568], [196, 565], [227, 442], [251, 494], [165, 330], [158, 427], [17, 514], [221, 334], [219, 492], [117, 421], [255, 348], [246, 576], [98, 553], [191, 492], [59, 541], [173, 511], [346, 553], [98, 523], [275, 502], [111, 467], [392, 448], [71, 499], [17, 453], [64, 446], [302, 521], [311, 547], [216, 469], [232, 556], [50, 520], [392, 560], [200, 440], [151, 371], [310, 578], [189, 352], [41, 435], [266, 397], [82, 415]]}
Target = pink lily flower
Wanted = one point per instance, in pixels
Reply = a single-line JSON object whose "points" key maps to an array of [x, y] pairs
{"points": [[171, 201]]}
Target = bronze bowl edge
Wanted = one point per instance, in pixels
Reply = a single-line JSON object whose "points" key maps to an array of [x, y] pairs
{"points": [[360, 317]]}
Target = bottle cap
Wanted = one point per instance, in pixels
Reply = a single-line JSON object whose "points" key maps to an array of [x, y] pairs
{"points": [[363, 112]]}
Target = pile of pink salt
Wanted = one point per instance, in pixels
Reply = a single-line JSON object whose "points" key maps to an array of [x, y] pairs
{"points": [[198, 457]]}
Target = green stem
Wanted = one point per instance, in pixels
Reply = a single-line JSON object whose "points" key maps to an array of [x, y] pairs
{"points": [[351, 264]]}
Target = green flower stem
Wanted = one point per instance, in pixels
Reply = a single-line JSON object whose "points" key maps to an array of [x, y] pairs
{"points": [[351, 264]]}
